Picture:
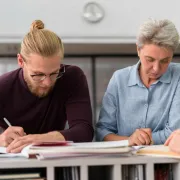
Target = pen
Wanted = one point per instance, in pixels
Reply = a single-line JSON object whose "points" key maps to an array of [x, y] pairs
{"points": [[7, 122]]}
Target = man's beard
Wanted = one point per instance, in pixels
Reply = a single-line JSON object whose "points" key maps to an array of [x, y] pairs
{"points": [[34, 89]]}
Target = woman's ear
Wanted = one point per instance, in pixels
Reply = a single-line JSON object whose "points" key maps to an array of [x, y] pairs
{"points": [[20, 60], [138, 50]]}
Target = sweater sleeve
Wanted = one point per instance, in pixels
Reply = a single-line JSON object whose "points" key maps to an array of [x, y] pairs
{"points": [[78, 109]]}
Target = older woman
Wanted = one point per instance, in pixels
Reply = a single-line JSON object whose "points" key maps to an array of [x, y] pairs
{"points": [[142, 102]]}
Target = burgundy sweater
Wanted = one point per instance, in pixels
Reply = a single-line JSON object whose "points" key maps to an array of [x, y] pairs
{"points": [[69, 101]]}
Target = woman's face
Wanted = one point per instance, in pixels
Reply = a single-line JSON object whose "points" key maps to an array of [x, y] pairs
{"points": [[154, 60]]}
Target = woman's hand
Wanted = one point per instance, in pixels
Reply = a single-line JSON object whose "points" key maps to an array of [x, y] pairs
{"points": [[141, 136]]}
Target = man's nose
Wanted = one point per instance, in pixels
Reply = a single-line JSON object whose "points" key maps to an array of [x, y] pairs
{"points": [[47, 81]]}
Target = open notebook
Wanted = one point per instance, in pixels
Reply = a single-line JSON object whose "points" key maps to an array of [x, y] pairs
{"points": [[157, 150]]}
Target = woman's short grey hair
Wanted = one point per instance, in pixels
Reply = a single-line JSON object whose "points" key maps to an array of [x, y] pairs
{"points": [[159, 32]]}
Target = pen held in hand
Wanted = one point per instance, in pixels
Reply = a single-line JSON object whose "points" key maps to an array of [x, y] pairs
{"points": [[9, 124]]}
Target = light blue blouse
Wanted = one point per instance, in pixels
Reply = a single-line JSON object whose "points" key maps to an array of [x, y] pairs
{"points": [[128, 105]]}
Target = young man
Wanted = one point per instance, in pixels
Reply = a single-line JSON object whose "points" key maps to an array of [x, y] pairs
{"points": [[39, 97]]}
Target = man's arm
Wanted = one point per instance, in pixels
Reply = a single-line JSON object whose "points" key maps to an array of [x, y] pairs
{"points": [[78, 109], [21, 141]]}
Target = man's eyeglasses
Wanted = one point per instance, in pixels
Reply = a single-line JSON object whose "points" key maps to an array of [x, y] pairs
{"points": [[52, 76]]}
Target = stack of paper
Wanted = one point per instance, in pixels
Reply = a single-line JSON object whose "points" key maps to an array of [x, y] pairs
{"points": [[80, 149], [46, 150]]}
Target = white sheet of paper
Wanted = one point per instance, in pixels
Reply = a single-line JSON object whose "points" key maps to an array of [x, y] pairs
{"points": [[3, 153], [103, 144], [2, 150]]}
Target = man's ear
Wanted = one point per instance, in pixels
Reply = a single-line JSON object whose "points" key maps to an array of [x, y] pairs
{"points": [[20, 60]]}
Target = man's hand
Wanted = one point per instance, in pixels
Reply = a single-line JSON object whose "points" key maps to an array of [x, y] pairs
{"points": [[141, 137], [18, 144], [10, 134], [173, 141]]}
